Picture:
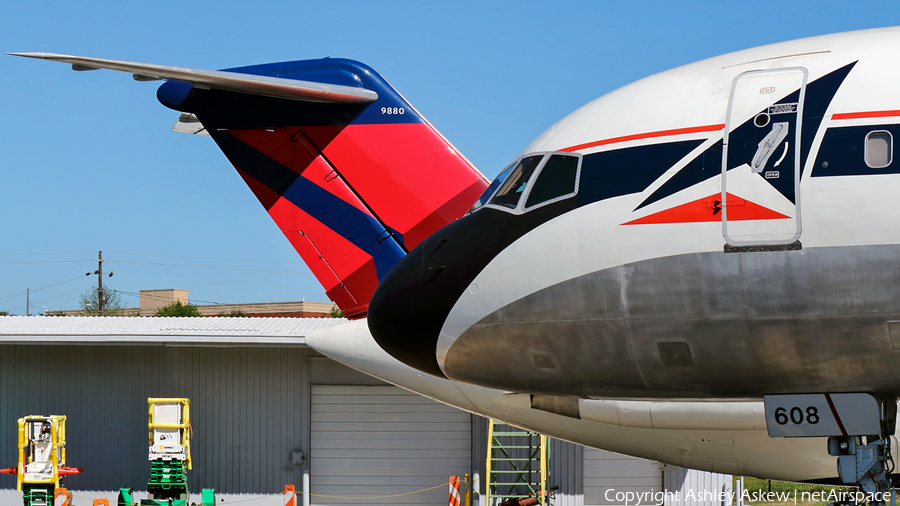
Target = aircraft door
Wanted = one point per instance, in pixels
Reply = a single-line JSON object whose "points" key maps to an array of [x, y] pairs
{"points": [[761, 158]]}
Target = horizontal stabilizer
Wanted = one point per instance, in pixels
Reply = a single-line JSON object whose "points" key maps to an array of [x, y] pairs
{"points": [[266, 86], [189, 124]]}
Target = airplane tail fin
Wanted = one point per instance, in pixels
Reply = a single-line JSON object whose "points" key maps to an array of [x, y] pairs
{"points": [[352, 174], [353, 183]]}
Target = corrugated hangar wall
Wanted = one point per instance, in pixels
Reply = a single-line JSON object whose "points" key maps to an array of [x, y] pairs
{"points": [[248, 411]]}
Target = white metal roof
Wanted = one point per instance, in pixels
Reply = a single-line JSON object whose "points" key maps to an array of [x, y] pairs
{"points": [[174, 331]]}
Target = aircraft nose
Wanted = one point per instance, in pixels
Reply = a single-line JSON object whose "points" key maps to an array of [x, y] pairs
{"points": [[409, 307]]}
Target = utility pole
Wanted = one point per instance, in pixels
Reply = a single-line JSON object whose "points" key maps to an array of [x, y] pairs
{"points": [[27, 301], [100, 282], [99, 273]]}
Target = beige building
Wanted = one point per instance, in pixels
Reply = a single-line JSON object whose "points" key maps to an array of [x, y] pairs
{"points": [[152, 300]]}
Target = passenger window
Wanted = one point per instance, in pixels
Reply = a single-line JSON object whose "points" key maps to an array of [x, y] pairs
{"points": [[879, 149], [511, 190], [556, 179]]}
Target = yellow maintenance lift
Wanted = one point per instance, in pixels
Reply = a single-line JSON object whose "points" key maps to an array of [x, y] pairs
{"points": [[169, 430], [42, 458]]}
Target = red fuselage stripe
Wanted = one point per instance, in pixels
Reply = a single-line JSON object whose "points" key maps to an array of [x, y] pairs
{"points": [[646, 135], [867, 114]]}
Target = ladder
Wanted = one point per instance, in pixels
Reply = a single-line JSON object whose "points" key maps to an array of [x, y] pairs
{"points": [[517, 464]]}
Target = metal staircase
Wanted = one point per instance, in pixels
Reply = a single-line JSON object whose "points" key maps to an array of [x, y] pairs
{"points": [[517, 465]]}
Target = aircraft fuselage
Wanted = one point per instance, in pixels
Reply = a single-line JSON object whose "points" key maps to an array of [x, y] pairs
{"points": [[729, 230]]}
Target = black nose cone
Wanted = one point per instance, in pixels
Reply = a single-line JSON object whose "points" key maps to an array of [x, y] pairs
{"points": [[409, 307], [395, 319]]}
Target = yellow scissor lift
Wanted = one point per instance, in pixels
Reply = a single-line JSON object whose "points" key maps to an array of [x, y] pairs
{"points": [[170, 455], [42, 458]]}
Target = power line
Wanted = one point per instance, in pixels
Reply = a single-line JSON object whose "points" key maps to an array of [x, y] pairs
{"points": [[133, 294], [205, 267], [206, 258], [243, 260], [82, 287], [160, 297], [47, 291], [54, 284], [44, 262], [64, 293], [245, 269], [19, 293], [35, 254], [258, 305]]}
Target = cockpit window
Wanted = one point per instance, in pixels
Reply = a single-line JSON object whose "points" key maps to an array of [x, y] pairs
{"points": [[557, 179], [482, 200], [512, 188]]}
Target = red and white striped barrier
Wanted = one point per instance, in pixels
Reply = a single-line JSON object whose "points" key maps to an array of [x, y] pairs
{"points": [[61, 497], [290, 498], [454, 491]]}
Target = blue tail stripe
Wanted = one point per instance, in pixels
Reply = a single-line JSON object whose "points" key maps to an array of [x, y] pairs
{"points": [[343, 218], [346, 220]]}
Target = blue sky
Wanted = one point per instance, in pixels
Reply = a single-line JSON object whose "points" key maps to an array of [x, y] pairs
{"points": [[87, 161]]}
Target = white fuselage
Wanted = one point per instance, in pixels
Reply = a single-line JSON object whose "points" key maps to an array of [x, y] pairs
{"points": [[745, 231]]}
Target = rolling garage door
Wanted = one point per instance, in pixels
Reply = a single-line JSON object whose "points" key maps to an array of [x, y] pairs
{"points": [[369, 441], [607, 473]]}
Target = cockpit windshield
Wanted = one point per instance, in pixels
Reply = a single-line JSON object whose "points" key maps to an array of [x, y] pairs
{"points": [[513, 186], [482, 200], [556, 180]]}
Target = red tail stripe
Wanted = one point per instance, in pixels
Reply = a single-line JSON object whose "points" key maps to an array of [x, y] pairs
{"points": [[344, 256]]}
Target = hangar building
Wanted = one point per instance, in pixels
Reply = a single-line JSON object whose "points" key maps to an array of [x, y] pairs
{"points": [[256, 401]]}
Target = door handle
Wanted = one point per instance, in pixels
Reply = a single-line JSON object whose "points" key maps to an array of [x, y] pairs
{"points": [[767, 146]]}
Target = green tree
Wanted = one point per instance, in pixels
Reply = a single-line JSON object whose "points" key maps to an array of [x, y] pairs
{"points": [[336, 312], [178, 309], [55, 313], [89, 303], [234, 312], [7, 313]]}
